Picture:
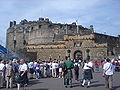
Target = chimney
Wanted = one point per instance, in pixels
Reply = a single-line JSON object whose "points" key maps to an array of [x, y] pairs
{"points": [[92, 28], [11, 23], [14, 23]]}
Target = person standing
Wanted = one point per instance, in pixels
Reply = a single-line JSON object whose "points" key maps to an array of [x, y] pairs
{"points": [[76, 70], [37, 70], [23, 78], [2, 72], [54, 69], [96, 66], [108, 70], [31, 69], [68, 73], [60, 69], [87, 72], [9, 75], [15, 66]]}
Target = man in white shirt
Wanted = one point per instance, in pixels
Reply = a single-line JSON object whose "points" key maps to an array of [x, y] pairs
{"points": [[54, 66], [108, 70]]}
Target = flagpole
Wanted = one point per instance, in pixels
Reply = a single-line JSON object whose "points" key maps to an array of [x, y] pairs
{"points": [[77, 26]]}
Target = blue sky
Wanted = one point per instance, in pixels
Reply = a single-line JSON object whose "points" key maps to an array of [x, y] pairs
{"points": [[104, 15]]}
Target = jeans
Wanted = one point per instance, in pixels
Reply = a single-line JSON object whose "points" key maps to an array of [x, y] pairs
{"points": [[37, 73], [67, 82]]}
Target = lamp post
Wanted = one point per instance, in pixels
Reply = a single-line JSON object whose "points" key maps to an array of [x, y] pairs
{"points": [[87, 51]]}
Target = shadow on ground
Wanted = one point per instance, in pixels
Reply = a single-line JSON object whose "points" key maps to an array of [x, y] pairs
{"points": [[97, 85], [33, 82], [116, 87], [40, 89]]}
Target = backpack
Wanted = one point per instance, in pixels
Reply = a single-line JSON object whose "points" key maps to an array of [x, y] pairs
{"points": [[64, 67], [15, 68], [76, 67]]}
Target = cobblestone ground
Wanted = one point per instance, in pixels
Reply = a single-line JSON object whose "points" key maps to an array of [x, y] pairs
{"points": [[57, 84]]}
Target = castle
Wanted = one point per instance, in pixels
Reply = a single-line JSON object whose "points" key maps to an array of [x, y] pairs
{"points": [[46, 40]]}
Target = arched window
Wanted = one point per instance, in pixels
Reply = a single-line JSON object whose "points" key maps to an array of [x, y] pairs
{"points": [[31, 28]]}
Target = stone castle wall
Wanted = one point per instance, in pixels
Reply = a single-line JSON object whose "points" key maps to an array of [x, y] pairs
{"points": [[46, 39]]}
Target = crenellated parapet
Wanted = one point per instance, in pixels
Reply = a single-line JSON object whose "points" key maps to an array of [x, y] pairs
{"points": [[79, 37], [62, 46], [101, 45]]}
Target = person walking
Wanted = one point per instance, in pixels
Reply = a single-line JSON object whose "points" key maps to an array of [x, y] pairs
{"points": [[68, 73], [87, 72], [108, 71]]}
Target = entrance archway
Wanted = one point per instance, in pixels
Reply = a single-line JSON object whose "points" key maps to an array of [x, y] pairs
{"points": [[78, 55]]}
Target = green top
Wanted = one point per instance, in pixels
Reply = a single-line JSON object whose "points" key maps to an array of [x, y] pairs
{"points": [[69, 64]]}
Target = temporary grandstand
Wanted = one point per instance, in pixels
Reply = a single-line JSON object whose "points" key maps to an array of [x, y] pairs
{"points": [[5, 53]]}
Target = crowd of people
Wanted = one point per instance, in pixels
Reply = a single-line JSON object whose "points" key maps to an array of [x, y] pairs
{"points": [[18, 72]]}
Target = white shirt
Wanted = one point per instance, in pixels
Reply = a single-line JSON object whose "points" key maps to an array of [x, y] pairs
{"points": [[77, 64], [31, 65], [2, 66], [54, 65], [35, 64], [109, 67], [23, 67], [88, 64]]}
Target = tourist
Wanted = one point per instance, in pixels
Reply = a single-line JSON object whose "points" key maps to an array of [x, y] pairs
{"points": [[54, 69], [108, 70], [31, 69], [87, 72], [57, 69], [37, 70], [76, 70], [60, 69], [96, 66], [15, 65], [22, 79], [2, 72], [68, 73], [48, 71], [9, 74]]}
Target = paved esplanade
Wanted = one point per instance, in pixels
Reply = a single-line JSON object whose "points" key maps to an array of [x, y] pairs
{"points": [[57, 84]]}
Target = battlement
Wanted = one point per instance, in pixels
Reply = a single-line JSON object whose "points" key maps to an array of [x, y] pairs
{"points": [[46, 21]]}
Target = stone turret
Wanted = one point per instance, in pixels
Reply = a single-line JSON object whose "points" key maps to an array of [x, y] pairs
{"points": [[92, 28], [41, 19], [11, 23], [47, 20], [14, 23], [23, 22]]}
